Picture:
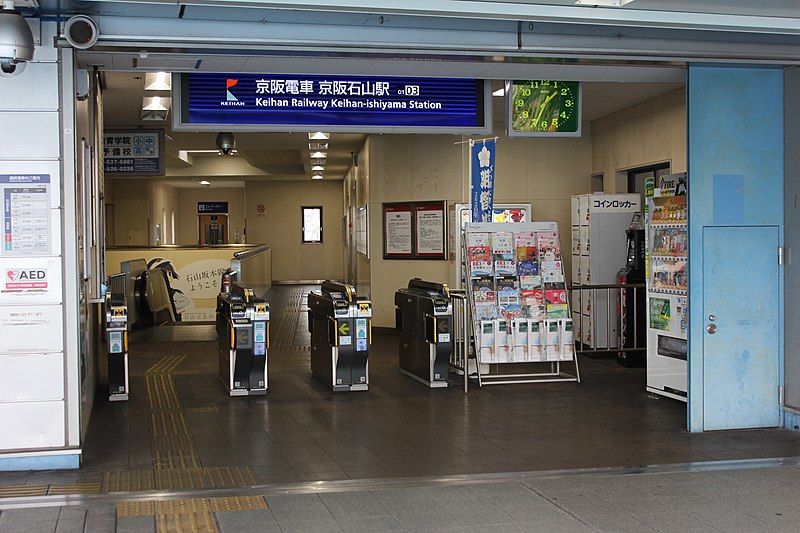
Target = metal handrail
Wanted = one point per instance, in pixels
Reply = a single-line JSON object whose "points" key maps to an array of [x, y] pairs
{"points": [[617, 289], [247, 254], [459, 359]]}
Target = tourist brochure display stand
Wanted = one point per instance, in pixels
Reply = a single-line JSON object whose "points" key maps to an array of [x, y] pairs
{"points": [[518, 302]]}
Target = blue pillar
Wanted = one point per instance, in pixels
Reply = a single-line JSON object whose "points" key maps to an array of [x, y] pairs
{"points": [[735, 167]]}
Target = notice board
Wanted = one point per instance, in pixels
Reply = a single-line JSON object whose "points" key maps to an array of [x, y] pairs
{"points": [[414, 230]]}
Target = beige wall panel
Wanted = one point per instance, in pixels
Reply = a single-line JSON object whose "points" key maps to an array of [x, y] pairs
{"points": [[131, 208], [545, 172], [166, 198], [187, 213], [651, 132], [279, 226]]}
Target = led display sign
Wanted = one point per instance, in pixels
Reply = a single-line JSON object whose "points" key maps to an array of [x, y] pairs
{"points": [[364, 104]]}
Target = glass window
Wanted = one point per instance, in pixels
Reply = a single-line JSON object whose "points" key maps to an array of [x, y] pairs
{"points": [[312, 224]]}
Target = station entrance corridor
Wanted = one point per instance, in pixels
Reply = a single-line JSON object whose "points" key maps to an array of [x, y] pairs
{"points": [[181, 434]]}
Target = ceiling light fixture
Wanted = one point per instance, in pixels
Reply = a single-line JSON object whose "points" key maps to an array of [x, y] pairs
{"points": [[16, 41], [317, 146], [156, 103], [316, 176], [157, 81], [317, 168], [319, 155], [204, 182], [155, 108], [499, 92], [319, 136]]}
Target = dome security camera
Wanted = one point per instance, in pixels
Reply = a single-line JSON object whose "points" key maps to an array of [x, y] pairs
{"points": [[16, 42], [226, 143]]}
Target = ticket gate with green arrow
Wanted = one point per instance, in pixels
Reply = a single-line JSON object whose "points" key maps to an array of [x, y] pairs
{"points": [[424, 319], [341, 333]]}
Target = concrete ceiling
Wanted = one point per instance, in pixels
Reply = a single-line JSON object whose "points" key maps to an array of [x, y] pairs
{"points": [[286, 156]]}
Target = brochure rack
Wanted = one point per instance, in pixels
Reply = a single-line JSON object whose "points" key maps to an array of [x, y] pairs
{"points": [[518, 302]]}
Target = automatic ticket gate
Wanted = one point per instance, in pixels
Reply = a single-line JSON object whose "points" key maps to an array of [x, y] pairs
{"points": [[117, 337], [243, 333], [424, 320], [341, 333]]}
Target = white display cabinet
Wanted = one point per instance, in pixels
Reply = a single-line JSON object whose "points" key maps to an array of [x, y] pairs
{"points": [[599, 251]]}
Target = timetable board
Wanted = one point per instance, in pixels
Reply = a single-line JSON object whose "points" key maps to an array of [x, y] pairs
{"points": [[26, 215]]}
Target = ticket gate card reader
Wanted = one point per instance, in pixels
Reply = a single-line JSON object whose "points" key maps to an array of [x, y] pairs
{"points": [[424, 319], [117, 338], [243, 333], [341, 333]]}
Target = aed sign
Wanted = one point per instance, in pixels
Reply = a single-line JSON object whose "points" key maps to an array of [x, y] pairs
{"points": [[25, 278]]}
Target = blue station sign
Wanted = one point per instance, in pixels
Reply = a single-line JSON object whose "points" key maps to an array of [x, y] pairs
{"points": [[362, 104]]}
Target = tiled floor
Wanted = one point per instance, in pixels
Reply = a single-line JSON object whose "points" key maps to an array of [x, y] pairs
{"points": [[181, 431]]}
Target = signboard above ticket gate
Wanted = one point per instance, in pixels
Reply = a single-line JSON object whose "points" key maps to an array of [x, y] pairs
{"points": [[360, 104]]}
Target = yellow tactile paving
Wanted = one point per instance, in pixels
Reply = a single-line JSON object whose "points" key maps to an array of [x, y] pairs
{"points": [[229, 476], [136, 509], [74, 488], [197, 505], [15, 491], [180, 478], [129, 481]]}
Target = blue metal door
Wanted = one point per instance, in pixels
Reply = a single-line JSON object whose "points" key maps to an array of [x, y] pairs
{"points": [[741, 341]]}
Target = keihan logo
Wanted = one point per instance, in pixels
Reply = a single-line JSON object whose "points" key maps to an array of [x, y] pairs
{"points": [[229, 84]]}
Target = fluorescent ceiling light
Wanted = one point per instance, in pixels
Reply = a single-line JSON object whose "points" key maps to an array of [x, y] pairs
{"points": [[319, 136], [609, 3], [499, 92], [156, 103], [154, 116], [205, 182], [317, 146], [157, 81], [319, 155], [316, 177], [317, 161], [317, 168]]}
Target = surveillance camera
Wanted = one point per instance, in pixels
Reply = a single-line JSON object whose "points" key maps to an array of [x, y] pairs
{"points": [[16, 43], [226, 143]]}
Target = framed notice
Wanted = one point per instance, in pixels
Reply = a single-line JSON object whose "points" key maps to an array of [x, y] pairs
{"points": [[414, 230], [362, 230]]}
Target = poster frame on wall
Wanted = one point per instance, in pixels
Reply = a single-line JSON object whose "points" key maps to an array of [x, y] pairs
{"points": [[412, 230]]}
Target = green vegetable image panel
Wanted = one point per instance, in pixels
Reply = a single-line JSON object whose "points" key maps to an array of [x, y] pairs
{"points": [[545, 108]]}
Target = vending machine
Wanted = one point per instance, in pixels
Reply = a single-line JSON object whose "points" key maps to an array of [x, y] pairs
{"points": [[666, 212]]}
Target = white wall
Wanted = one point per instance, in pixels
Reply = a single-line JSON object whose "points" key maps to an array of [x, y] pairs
{"points": [[40, 389]]}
